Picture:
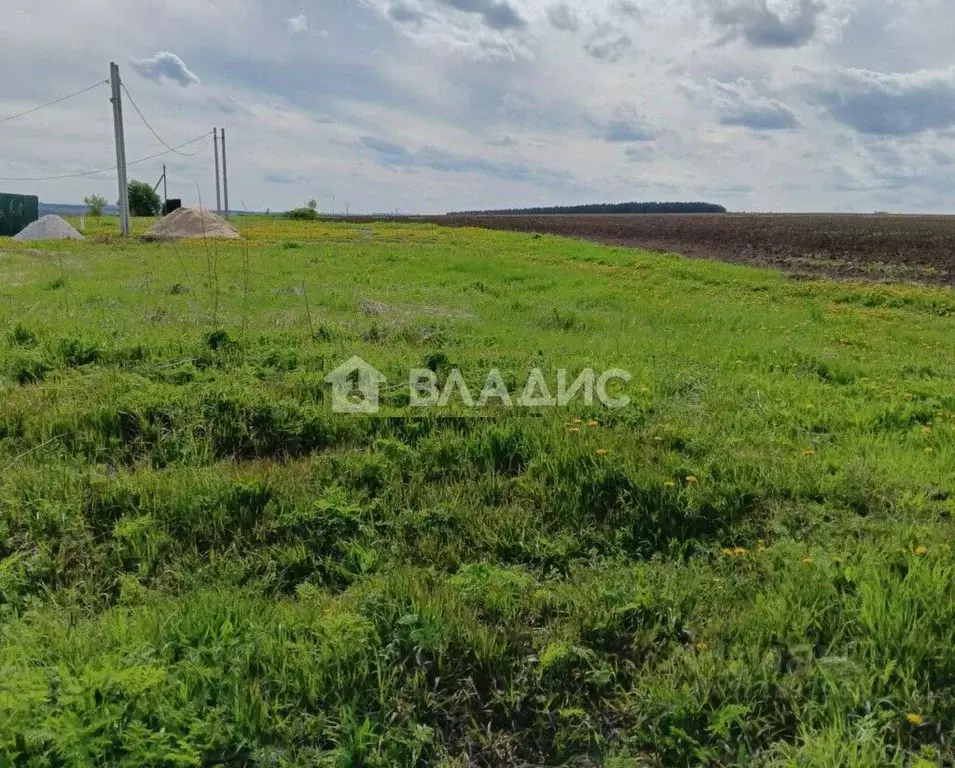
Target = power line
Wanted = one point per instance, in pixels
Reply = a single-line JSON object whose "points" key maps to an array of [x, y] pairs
{"points": [[113, 168], [51, 103], [146, 123]]}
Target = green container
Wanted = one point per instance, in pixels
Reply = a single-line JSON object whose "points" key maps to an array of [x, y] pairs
{"points": [[16, 211]]}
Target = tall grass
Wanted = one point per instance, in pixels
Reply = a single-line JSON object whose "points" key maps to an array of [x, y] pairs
{"points": [[201, 564]]}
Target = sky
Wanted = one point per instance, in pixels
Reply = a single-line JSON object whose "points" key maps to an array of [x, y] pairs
{"points": [[426, 106]]}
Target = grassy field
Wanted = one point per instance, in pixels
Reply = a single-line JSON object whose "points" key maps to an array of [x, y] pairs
{"points": [[201, 564]]}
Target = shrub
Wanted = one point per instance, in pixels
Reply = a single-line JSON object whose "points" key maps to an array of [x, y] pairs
{"points": [[143, 200], [95, 205], [303, 214]]}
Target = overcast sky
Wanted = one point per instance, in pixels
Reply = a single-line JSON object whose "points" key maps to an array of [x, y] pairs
{"points": [[435, 105]]}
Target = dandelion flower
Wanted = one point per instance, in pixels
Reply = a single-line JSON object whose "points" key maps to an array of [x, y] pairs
{"points": [[837, 561], [914, 719], [921, 551], [573, 430], [578, 421], [806, 561], [728, 552], [690, 480], [602, 452], [701, 646], [809, 452], [592, 424], [740, 551], [669, 484]]}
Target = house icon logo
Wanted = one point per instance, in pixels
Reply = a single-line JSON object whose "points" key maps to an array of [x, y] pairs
{"points": [[355, 386]]}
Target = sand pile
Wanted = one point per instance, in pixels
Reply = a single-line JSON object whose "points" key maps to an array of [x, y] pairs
{"points": [[189, 222], [50, 227]]}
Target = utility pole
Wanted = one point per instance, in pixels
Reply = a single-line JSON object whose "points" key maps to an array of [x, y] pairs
{"points": [[333, 205], [165, 189], [215, 146], [225, 176], [117, 102], [346, 210]]}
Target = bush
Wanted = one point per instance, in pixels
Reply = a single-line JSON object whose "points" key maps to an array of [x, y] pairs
{"points": [[143, 200], [303, 214], [95, 205]]}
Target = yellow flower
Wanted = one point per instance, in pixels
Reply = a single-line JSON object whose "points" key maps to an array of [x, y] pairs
{"points": [[602, 452], [701, 646], [921, 551], [837, 561], [592, 424], [735, 551], [573, 430], [806, 561], [669, 484], [914, 719], [578, 421], [690, 480], [908, 395], [809, 452]]}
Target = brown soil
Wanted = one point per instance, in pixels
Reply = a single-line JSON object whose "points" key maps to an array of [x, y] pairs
{"points": [[868, 247]]}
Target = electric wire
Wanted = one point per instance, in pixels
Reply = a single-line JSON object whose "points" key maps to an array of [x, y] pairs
{"points": [[51, 103], [114, 167], [146, 123]]}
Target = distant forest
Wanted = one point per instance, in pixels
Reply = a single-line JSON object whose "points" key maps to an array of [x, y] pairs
{"points": [[602, 208]]}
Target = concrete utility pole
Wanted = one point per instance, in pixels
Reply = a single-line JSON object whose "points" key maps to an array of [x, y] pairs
{"points": [[165, 189], [120, 137], [225, 177], [215, 146]]}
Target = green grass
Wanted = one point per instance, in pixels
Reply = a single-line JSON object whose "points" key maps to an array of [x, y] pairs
{"points": [[201, 564]]}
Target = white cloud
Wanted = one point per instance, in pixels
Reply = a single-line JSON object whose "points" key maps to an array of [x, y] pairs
{"points": [[166, 66], [739, 104], [298, 25], [775, 104]]}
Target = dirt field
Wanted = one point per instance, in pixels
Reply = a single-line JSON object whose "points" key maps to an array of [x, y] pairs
{"points": [[882, 248]]}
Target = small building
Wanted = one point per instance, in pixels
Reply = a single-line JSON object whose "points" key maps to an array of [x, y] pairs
{"points": [[16, 212]]}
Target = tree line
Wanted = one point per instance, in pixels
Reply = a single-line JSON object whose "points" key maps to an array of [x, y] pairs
{"points": [[602, 208]]}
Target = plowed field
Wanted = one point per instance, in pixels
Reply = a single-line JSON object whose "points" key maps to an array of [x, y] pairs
{"points": [[876, 247]]}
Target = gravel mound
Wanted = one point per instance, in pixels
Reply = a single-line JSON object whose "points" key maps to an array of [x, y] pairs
{"points": [[50, 227], [191, 223]]}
